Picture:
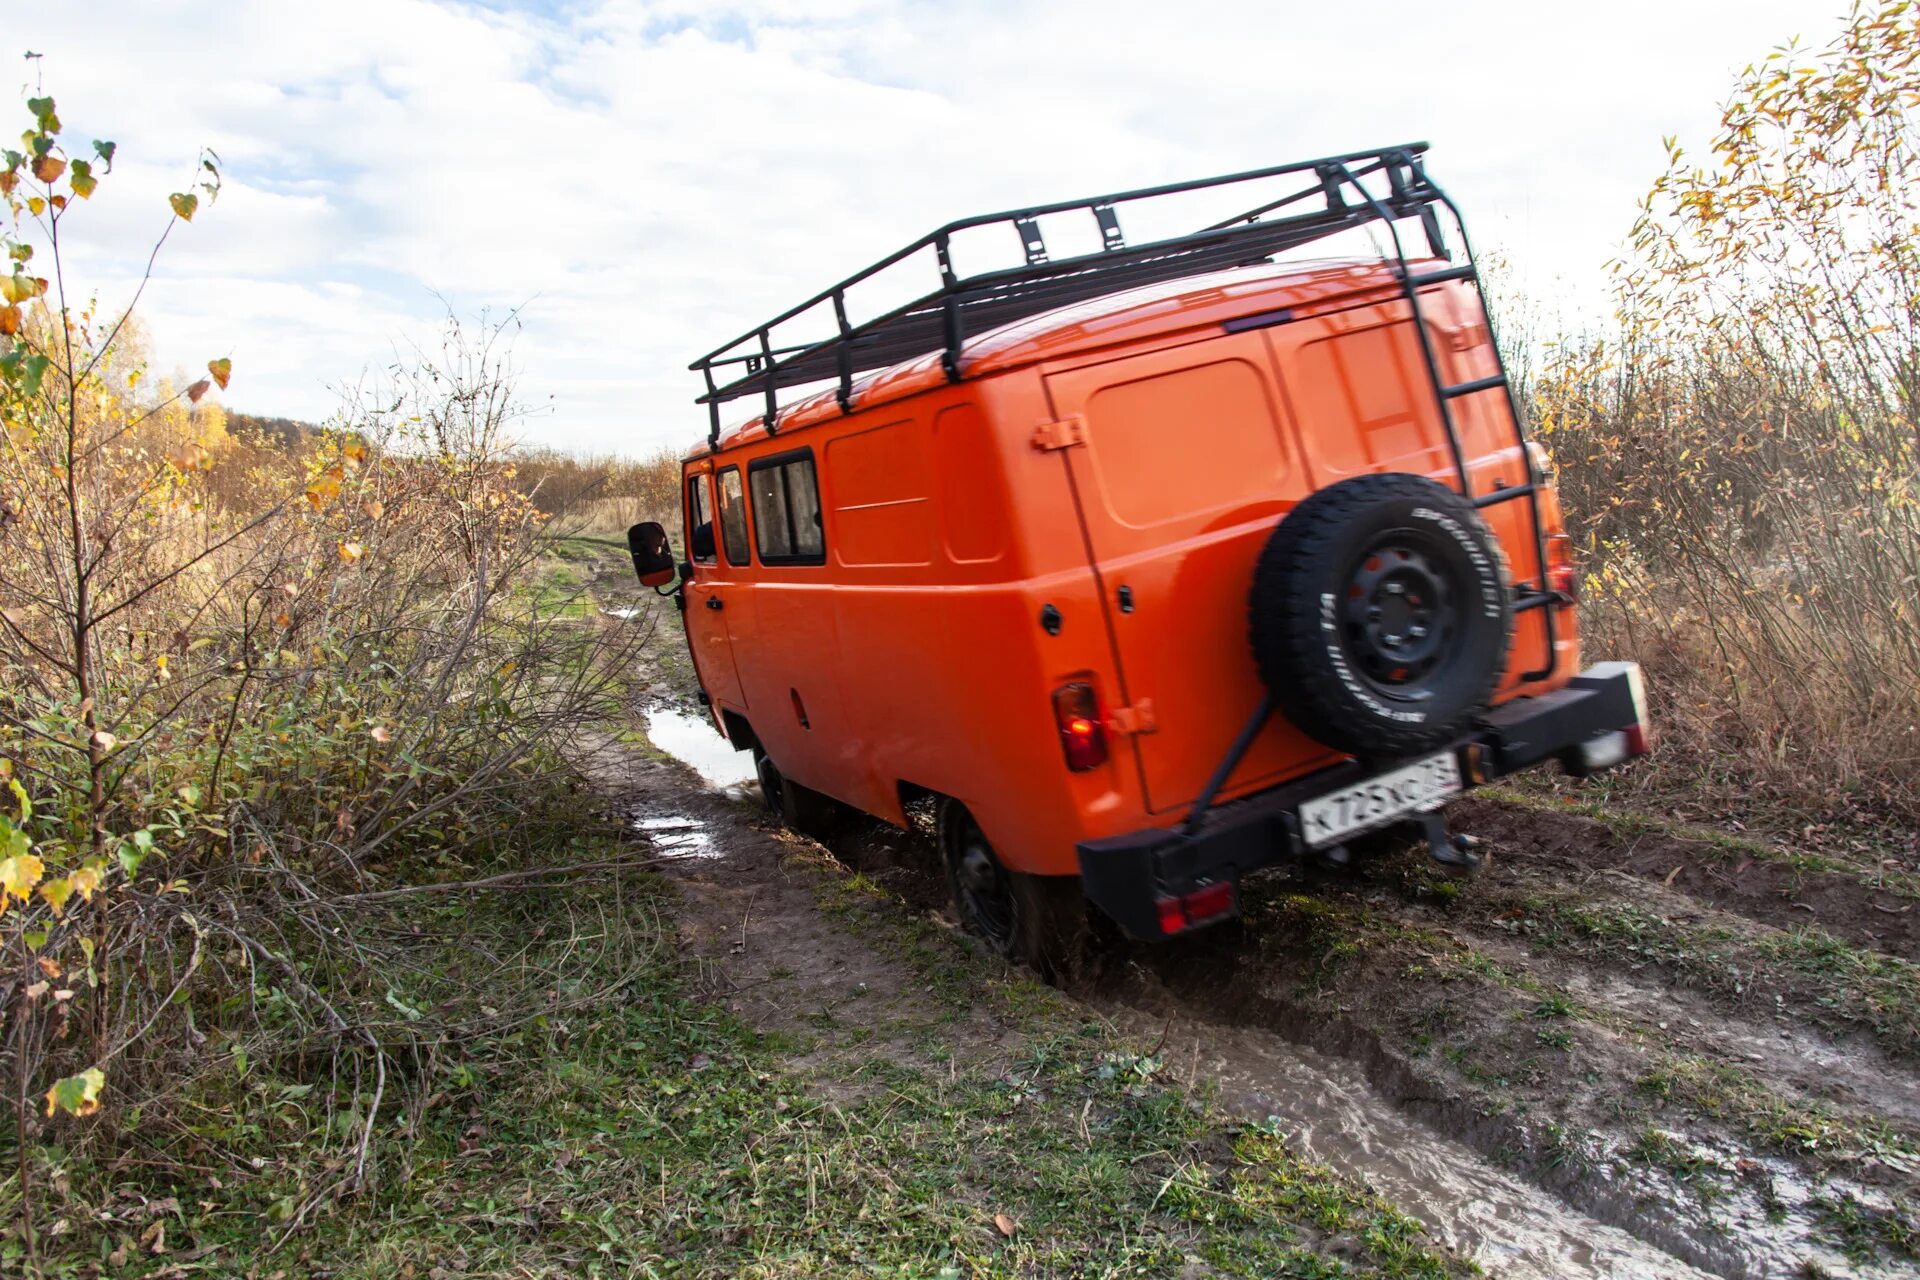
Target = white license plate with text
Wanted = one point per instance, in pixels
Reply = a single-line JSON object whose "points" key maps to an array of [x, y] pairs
{"points": [[1379, 800]]}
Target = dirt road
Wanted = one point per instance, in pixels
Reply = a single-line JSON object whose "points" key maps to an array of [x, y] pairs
{"points": [[1610, 1055]]}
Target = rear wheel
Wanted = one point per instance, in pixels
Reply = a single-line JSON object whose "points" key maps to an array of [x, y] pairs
{"points": [[1039, 921]]}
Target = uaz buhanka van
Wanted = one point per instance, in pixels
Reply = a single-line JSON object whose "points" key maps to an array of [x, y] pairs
{"points": [[1151, 562]]}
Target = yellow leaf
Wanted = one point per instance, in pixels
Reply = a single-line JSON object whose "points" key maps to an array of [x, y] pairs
{"points": [[355, 452], [104, 740], [19, 874], [221, 369], [37, 989], [85, 881], [324, 489], [77, 1095], [56, 892], [36, 206], [351, 551], [373, 509], [48, 167]]}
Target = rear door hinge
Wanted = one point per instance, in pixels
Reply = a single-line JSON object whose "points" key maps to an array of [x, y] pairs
{"points": [[1064, 434], [1137, 718]]}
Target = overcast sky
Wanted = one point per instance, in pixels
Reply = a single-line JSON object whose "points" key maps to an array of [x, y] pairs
{"points": [[648, 178]]}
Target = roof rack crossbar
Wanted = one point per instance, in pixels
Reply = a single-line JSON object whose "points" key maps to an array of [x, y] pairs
{"points": [[961, 304]]}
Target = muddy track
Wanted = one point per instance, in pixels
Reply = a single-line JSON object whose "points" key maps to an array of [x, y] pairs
{"points": [[1685, 1063], [752, 911], [1747, 877], [1745, 1124]]}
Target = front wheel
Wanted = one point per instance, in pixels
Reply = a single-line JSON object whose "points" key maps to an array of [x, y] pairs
{"points": [[1040, 921], [801, 808]]}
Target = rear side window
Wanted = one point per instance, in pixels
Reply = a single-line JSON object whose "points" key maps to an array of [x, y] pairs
{"points": [[786, 509], [699, 520], [733, 517]]}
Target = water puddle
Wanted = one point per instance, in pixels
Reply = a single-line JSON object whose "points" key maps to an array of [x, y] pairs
{"points": [[677, 836], [696, 743]]}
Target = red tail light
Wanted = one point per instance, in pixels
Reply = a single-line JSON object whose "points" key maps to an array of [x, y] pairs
{"points": [[1082, 735], [1209, 902], [1562, 575]]}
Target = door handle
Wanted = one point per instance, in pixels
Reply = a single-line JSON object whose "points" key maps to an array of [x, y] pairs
{"points": [[714, 602]]}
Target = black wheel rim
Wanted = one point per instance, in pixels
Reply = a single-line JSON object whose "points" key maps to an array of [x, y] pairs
{"points": [[986, 895], [1401, 622]]}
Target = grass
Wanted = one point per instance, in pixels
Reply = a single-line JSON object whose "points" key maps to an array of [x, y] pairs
{"points": [[1613, 812], [1699, 1170], [612, 1118], [1865, 1232], [1838, 982], [1799, 1127]]}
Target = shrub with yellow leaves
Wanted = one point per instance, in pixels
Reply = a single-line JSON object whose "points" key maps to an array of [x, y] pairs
{"points": [[237, 681]]}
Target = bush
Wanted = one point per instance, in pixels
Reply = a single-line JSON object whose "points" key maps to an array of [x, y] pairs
{"points": [[1741, 459], [241, 686]]}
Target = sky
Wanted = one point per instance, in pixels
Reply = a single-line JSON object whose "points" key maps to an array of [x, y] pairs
{"points": [[637, 181]]}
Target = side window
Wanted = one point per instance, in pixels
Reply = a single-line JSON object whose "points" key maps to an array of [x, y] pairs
{"points": [[699, 520], [786, 509], [733, 517]]}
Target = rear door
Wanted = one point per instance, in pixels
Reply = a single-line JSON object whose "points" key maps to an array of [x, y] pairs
{"points": [[1184, 467], [714, 587]]}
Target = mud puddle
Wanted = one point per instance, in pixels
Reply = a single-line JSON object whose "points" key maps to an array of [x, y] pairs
{"points": [[1510, 1226], [677, 836], [1329, 1112], [696, 743]]}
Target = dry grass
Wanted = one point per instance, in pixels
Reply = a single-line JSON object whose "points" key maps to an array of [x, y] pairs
{"points": [[599, 496]]}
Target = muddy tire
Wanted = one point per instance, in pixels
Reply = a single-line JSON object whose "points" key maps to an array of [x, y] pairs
{"points": [[1039, 921], [799, 807], [773, 783], [1379, 616]]}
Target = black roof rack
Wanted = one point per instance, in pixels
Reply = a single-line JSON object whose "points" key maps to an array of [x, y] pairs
{"points": [[1333, 200]]}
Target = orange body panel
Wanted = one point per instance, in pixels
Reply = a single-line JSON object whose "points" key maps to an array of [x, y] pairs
{"points": [[954, 514]]}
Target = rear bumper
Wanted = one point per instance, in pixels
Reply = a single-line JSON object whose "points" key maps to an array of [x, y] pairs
{"points": [[1150, 881]]}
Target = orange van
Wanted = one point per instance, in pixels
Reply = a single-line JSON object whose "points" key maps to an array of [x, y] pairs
{"points": [[1150, 563]]}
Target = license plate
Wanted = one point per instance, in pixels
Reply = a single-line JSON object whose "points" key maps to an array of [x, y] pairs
{"points": [[1331, 818]]}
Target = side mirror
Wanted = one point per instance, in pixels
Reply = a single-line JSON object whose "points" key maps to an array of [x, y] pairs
{"points": [[652, 558]]}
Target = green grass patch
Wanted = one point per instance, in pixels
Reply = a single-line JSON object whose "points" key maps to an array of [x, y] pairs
{"points": [[1838, 982], [590, 1111]]}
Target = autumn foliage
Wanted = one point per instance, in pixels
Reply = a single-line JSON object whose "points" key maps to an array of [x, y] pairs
{"points": [[1741, 457], [238, 681]]}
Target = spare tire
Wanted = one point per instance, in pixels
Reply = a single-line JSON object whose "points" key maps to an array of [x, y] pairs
{"points": [[1380, 617]]}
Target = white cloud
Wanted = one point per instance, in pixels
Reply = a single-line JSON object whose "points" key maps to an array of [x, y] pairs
{"points": [[651, 177]]}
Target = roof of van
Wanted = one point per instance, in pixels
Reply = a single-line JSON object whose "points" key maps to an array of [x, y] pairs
{"points": [[1101, 322]]}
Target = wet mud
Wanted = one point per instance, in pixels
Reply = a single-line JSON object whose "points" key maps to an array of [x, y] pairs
{"points": [[1552, 1106]]}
